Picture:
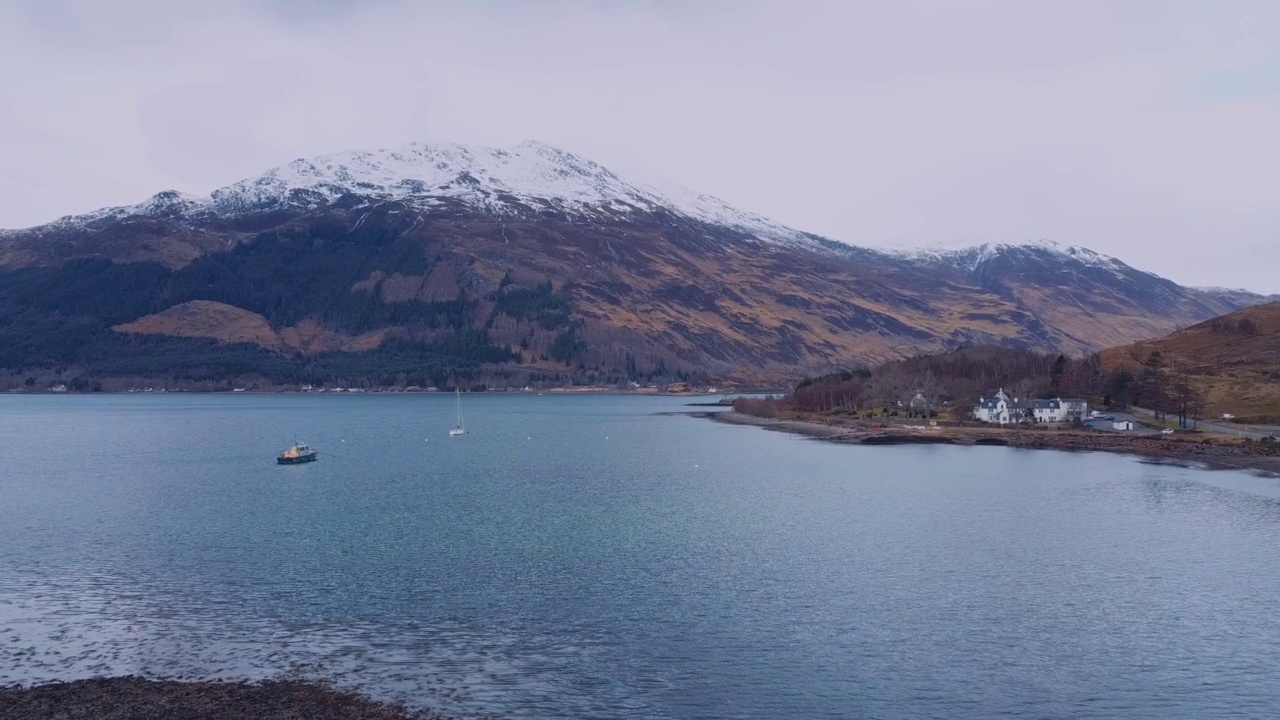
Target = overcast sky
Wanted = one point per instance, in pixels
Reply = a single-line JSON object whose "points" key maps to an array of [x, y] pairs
{"points": [[1144, 129]]}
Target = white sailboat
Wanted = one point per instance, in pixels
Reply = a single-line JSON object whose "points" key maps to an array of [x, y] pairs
{"points": [[458, 429]]}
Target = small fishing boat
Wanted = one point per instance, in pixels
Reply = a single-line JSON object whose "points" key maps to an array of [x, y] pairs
{"points": [[299, 453]]}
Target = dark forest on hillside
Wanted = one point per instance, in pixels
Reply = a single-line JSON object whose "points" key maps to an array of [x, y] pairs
{"points": [[59, 317]]}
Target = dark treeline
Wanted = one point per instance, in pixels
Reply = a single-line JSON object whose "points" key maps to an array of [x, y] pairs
{"points": [[921, 386], [286, 276], [766, 407], [541, 303], [1227, 326], [206, 363]]}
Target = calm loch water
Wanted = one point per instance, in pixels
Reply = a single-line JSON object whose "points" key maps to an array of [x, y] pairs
{"points": [[601, 557]]}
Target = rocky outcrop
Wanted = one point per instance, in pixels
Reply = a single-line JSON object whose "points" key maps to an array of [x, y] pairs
{"points": [[127, 698]]}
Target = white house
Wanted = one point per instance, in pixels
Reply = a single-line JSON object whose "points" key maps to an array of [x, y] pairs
{"points": [[1059, 410], [919, 405], [1074, 407], [1000, 409]]}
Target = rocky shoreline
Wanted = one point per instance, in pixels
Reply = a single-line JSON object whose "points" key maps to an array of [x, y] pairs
{"points": [[1209, 452], [136, 698]]}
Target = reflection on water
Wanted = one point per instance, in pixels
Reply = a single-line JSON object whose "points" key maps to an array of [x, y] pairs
{"points": [[445, 665], [602, 557]]}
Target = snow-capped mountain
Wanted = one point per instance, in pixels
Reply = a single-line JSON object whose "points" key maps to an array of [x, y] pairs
{"points": [[521, 181], [1237, 296], [535, 252]]}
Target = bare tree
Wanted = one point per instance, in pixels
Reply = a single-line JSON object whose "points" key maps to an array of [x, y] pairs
{"points": [[1154, 388], [1022, 389], [1183, 395], [928, 390], [906, 398], [884, 390], [872, 391]]}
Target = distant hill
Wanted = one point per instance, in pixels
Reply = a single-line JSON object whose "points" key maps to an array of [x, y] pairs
{"points": [[430, 261], [1233, 361]]}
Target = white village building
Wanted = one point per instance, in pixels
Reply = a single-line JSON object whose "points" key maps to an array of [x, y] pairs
{"points": [[997, 409], [1000, 409]]}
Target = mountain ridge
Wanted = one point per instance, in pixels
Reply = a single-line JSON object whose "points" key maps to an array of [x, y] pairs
{"points": [[531, 176], [531, 171], [547, 257]]}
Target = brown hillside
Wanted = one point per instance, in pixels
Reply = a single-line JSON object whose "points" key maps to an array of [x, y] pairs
{"points": [[230, 324], [640, 293], [1234, 360]]}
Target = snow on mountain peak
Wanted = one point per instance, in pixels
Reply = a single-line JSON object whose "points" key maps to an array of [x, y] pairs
{"points": [[439, 169], [972, 255], [500, 181], [526, 179]]}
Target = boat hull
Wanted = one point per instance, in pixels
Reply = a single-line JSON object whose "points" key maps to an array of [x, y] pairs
{"points": [[311, 457]]}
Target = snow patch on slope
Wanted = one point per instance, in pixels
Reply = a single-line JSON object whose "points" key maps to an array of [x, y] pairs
{"points": [[169, 203], [1219, 289]]}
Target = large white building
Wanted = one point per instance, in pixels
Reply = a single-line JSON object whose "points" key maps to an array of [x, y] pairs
{"points": [[1000, 409]]}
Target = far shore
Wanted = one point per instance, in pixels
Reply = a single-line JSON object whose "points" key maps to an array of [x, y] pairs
{"points": [[577, 390], [1212, 453]]}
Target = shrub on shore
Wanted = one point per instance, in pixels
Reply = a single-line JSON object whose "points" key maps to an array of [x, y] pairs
{"points": [[767, 407]]}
